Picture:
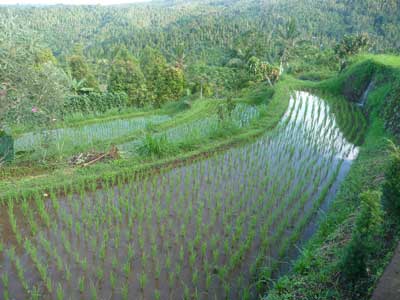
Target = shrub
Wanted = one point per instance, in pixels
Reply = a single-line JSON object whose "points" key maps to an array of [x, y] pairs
{"points": [[6, 147], [391, 187], [95, 102], [353, 265], [158, 146], [126, 76]]}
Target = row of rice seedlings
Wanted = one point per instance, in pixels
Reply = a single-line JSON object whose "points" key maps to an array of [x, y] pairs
{"points": [[242, 116], [196, 220], [87, 134], [302, 223], [48, 248]]}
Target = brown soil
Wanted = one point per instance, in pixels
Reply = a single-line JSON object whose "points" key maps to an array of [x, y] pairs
{"points": [[389, 285]]}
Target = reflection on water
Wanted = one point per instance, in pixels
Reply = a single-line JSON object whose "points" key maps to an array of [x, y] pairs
{"points": [[203, 230], [86, 134]]}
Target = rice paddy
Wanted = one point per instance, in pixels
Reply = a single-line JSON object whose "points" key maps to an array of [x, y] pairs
{"points": [[86, 135], [240, 117], [200, 231]]}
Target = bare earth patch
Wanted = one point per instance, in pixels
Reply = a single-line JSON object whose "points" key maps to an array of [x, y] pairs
{"points": [[389, 285]]}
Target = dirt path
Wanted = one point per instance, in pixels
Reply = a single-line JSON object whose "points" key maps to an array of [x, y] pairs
{"points": [[389, 285]]}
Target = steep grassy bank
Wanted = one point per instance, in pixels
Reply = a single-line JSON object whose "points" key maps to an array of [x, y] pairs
{"points": [[319, 272], [380, 74]]}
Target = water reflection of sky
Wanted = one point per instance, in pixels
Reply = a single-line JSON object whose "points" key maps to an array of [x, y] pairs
{"points": [[313, 115], [86, 134], [261, 191]]}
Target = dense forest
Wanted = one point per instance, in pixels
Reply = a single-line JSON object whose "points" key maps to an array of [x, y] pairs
{"points": [[172, 49]]}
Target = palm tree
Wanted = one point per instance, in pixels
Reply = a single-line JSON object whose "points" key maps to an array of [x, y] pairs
{"points": [[288, 39], [76, 86]]}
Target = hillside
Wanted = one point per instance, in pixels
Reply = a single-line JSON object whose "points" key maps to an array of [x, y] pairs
{"points": [[204, 28]]}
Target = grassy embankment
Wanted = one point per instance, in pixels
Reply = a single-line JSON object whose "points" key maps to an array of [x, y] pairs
{"points": [[67, 177], [317, 273]]}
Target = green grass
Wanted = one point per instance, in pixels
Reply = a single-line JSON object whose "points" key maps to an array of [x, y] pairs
{"points": [[157, 146], [391, 61], [316, 273]]}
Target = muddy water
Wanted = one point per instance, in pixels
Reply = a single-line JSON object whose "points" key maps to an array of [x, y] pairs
{"points": [[201, 231]]}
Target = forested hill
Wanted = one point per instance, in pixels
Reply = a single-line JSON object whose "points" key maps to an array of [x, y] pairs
{"points": [[205, 28]]}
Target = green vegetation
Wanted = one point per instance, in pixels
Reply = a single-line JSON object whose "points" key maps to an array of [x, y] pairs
{"points": [[126, 76], [62, 176], [132, 212], [367, 232], [391, 187], [155, 53], [356, 255], [143, 156]]}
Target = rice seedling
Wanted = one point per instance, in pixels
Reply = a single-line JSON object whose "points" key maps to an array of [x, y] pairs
{"points": [[186, 291], [83, 264], [214, 219], [126, 269], [35, 293], [208, 280], [195, 277], [157, 294], [100, 274], [81, 284], [6, 294], [49, 284], [67, 273], [114, 262], [5, 280], [142, 280], [60, 292], [124, 291], [89, 134], [93, 291]]}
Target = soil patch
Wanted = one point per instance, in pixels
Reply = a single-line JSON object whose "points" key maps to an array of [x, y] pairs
{"points": [[389, 285]]}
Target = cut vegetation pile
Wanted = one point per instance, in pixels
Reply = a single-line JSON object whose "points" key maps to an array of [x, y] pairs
{"points": [[89, 158]]}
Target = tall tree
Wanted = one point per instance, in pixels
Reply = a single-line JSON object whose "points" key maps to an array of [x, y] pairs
{"points": [[153, 65], [174, 81], [288, 39], [80, 70], [164, 82], [31, 91], [350, 45], [126, 76]]}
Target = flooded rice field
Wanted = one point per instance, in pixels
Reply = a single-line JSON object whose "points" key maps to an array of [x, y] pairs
{"points": [[240, 117], [200, 231], [87, 134]]}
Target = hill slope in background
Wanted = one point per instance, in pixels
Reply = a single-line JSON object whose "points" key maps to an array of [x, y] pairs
{"points": [[198, 25]]}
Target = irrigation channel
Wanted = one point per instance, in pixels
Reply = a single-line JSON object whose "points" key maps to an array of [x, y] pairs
{"points": [[202, 230]]}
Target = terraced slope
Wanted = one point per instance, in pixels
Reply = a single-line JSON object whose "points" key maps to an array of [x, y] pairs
{"points": [[203, 230]]}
